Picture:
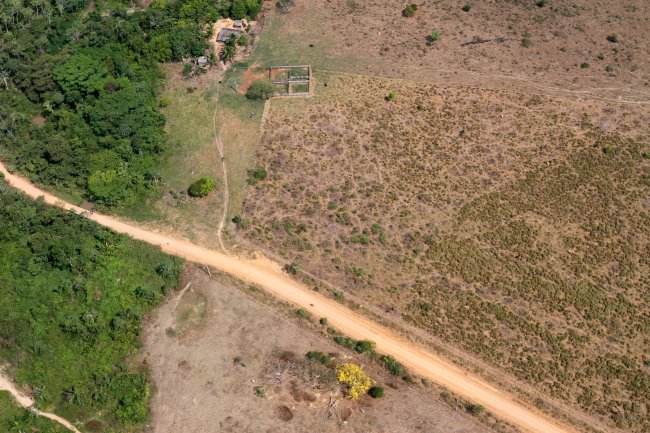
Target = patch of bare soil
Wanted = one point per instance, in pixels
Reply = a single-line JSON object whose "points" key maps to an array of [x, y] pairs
{"points": [[243, 369], [250, 76], [512, 226]]}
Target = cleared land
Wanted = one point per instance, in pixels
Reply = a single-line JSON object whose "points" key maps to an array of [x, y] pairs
{"points": [[560, 48], [515, 227], [207, 374]]}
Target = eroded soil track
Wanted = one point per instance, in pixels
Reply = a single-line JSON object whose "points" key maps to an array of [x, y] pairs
{"points": [[268, 275]]}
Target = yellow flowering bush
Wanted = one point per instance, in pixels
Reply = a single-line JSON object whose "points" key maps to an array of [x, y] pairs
{"points": [[354, 377]]}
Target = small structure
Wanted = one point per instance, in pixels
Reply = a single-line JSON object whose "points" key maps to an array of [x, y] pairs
{"points": [[202, 61], [225, 34], [292, 80], [238, 24]]}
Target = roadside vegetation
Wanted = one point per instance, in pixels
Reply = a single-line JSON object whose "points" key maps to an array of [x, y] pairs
{"points": [[73, 297]]}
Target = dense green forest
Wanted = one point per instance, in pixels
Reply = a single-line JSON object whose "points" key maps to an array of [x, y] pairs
{"points": [[72, 296], [16, 419], [78, 89]]}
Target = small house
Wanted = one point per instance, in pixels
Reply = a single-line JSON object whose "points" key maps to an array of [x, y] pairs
{"points": [[202, 61], [225, 34], [238, 24]]}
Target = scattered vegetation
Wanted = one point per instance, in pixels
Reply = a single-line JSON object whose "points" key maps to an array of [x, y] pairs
{"points": [[376, 392], [475, 409], [356, 380], [256, 174], [319, 357]]}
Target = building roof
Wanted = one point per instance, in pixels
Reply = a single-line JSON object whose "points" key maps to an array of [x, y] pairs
{"points": [[225, 34], [238, 23]]}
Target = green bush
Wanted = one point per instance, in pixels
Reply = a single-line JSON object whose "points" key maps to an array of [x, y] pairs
{"points": [[541, 3], [241, 222], [376, 392], [319, 357], [475, 409], [260, 89], [350, 343], [323, 321], [467, 7], [609, 150], [392, 365], [584, 65], [409, 10], [256, 174], [435, 35], [612, 38], [363, 346], [201, 187], [301, 312], [391, 96]]}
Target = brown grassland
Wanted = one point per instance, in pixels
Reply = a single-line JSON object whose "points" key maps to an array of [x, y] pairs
{"points": [[513, 226], [531, 47]]}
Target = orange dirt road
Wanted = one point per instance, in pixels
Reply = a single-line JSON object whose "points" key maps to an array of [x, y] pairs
{"points": [[268, 275]]}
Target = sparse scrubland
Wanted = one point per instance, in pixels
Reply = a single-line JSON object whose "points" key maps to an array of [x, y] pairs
{"points": [[513, 226]]}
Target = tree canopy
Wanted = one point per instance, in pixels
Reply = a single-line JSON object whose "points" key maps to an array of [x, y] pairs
{"points": [[72, 295]]}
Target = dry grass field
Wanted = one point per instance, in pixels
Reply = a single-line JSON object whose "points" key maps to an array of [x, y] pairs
{"points": [[222, 361], [559, 48], [516, 227]]}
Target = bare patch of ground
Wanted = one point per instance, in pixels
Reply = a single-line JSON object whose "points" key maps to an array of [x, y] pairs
{"points": [[212, 377], [513, 226]]}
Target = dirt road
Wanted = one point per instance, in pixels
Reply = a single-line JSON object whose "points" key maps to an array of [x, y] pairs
{"points": [[27, 403], [268, 275]]}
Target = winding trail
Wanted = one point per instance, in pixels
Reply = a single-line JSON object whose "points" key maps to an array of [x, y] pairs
{"points": [[26, 402], [226, 190], [268, 275]]}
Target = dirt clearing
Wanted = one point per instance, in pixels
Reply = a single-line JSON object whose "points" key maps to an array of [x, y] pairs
{"points": [[208, 379]]}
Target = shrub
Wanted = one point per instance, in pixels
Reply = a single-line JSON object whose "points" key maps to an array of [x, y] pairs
{"points": [[260, 391], [376, 392], [355, 378], [392, 365], [301, 312], [541, 3], [285, 6], [256, 174], [475, 409], [467, 7], [319, 357], [243, 40], [239, 361], [260, 89], [363, 346], [240, 222], [391, 96], [350, 343], [323, 321], [292, 268], [409, 10], [163, 102], [201, 187], [613, 38], [525, 42], [584, 65], [608, 150], [435, 35], [187, 69]]}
